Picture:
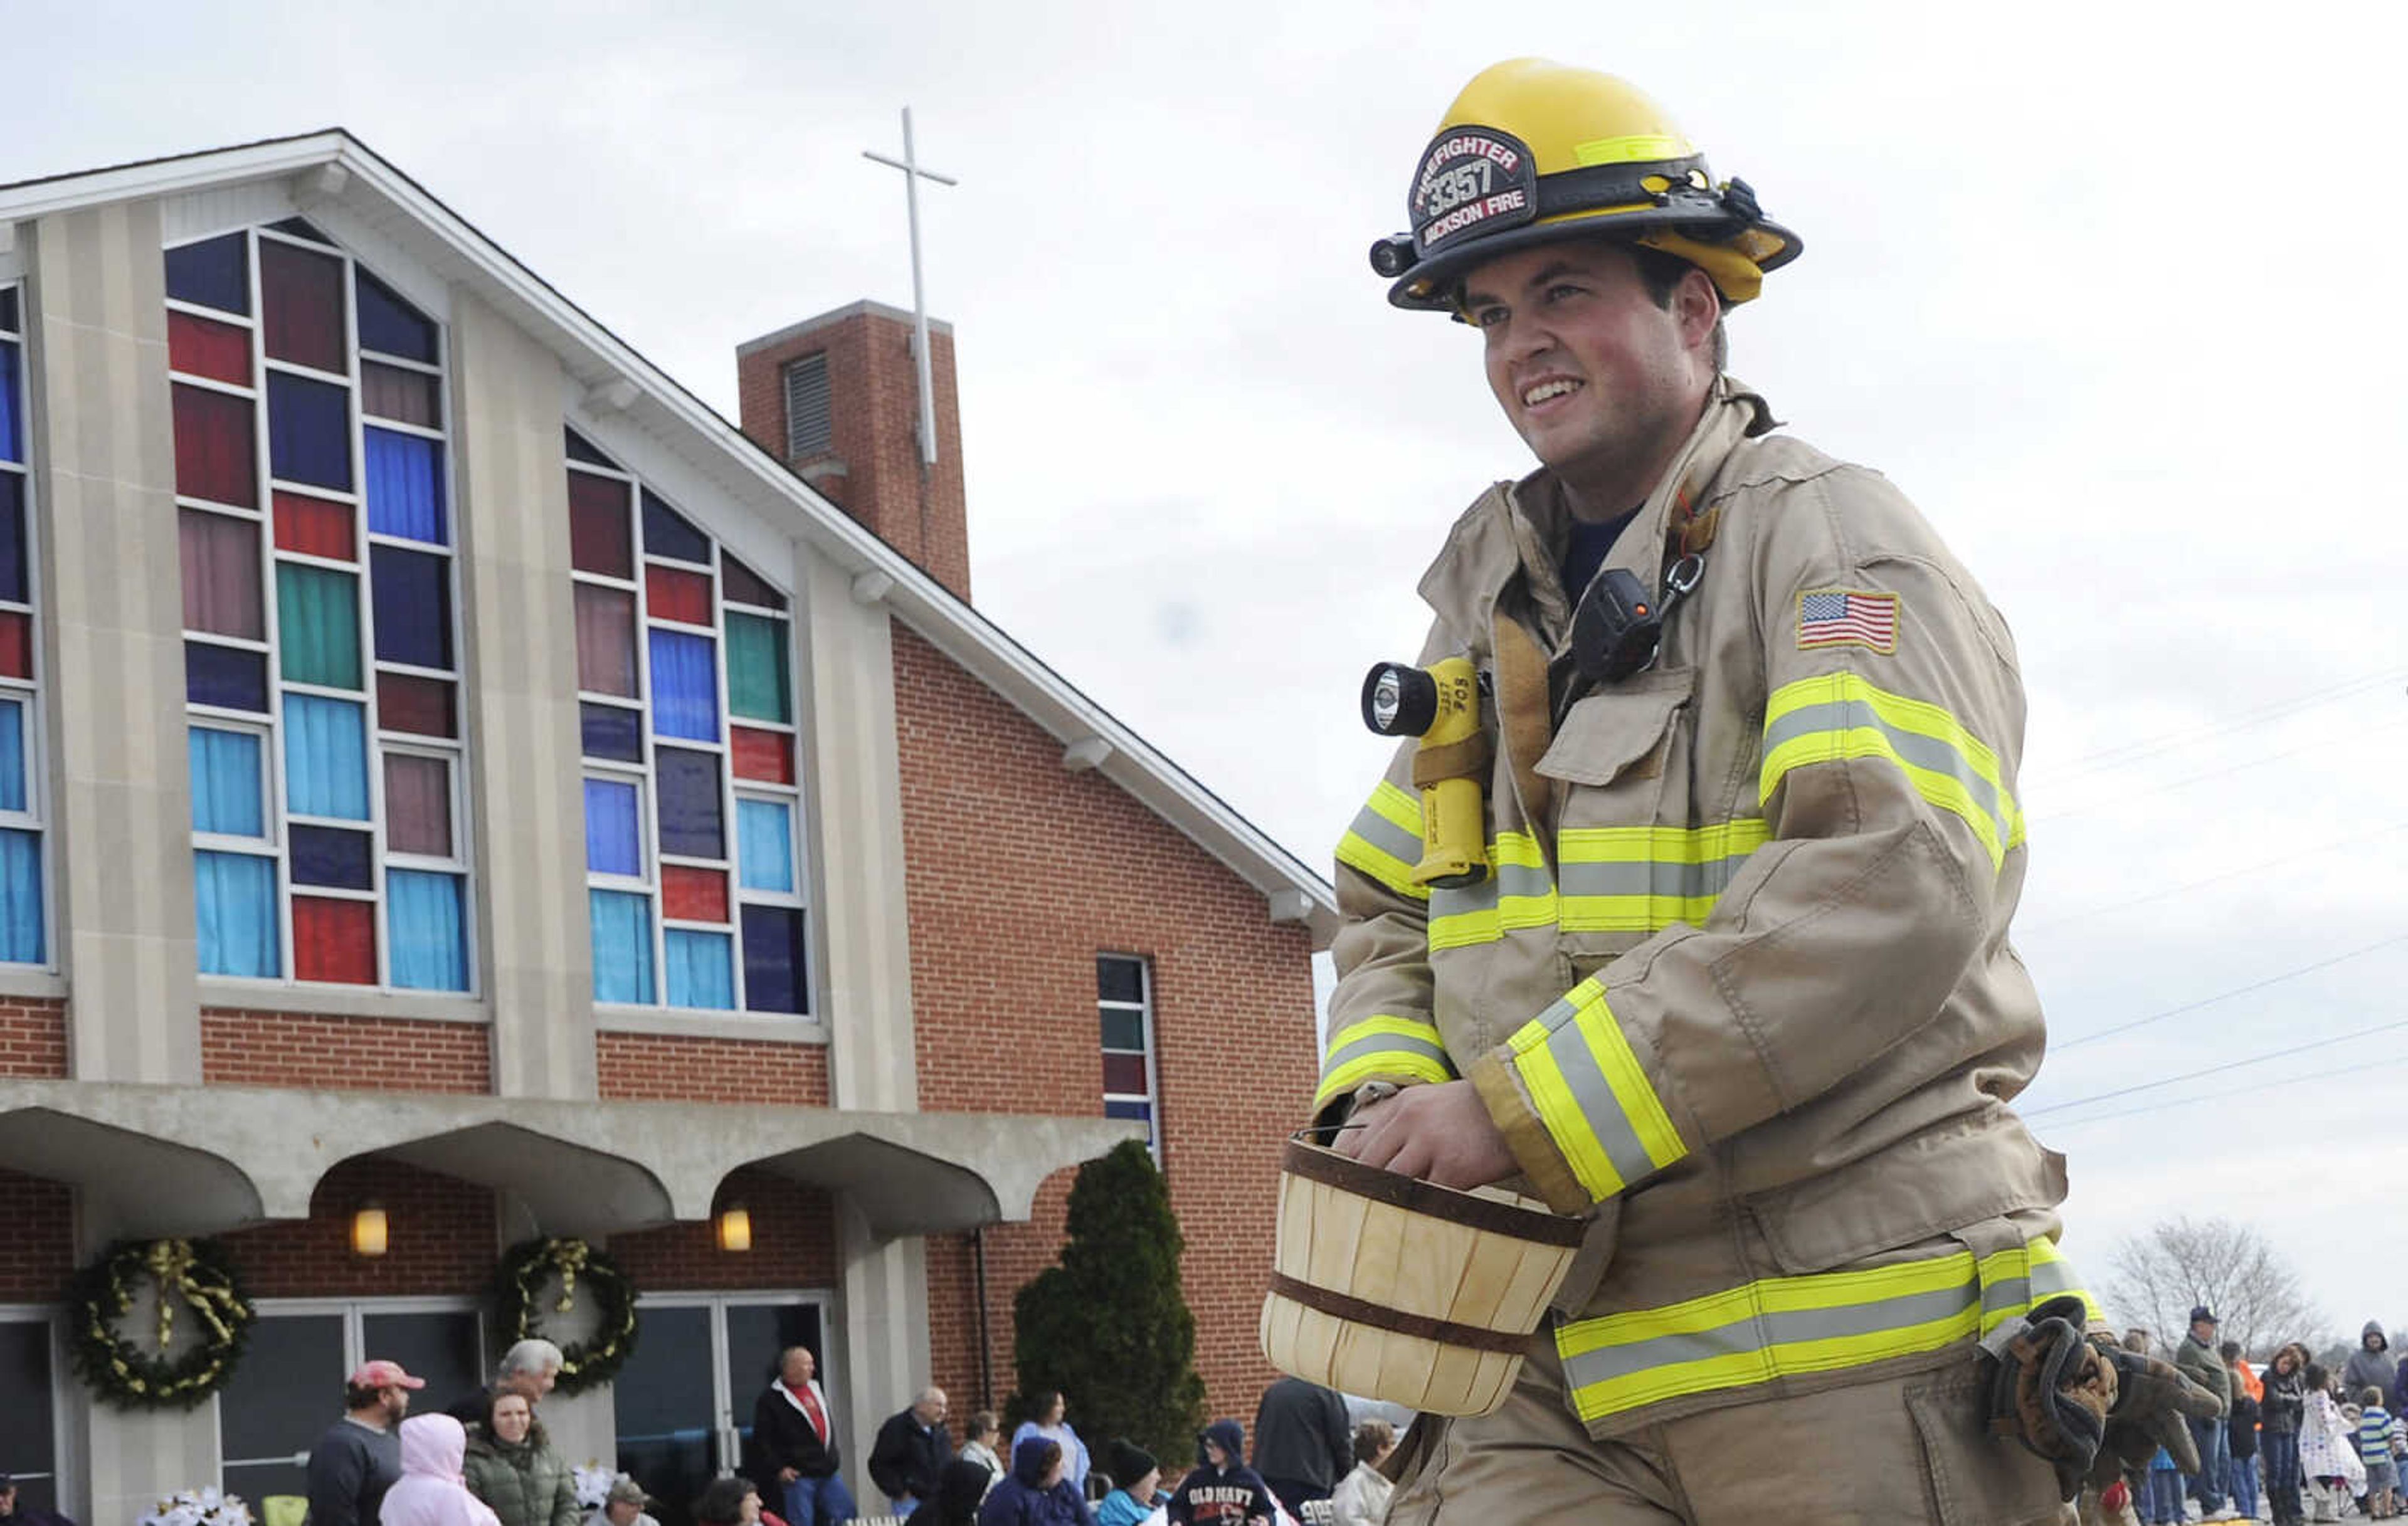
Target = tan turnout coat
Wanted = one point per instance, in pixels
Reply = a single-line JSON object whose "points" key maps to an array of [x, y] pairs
{"points": [[1741, 986]]}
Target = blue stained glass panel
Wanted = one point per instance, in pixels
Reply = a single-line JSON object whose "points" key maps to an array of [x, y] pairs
{"points": [[609, 732], [773, 960], [20, 898], [235, 894], [614, 842], [426, 930], [309, 430], [693, 825], [226, 790], [325, 758], [215, 272], [685, 686], [668, 532], [702, 970], [12, 756], [12, 416], [225, 677], [388, 324], [1140, 1111], [412, 592], [623, 946], [764, 841], [12, 537], [581, 448], [330, 856], [405, 487]]}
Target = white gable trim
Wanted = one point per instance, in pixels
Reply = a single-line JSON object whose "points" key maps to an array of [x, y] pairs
{"points": [[333, 168]]}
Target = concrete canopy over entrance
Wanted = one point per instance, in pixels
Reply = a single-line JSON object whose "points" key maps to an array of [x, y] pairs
{"points": [[196, 1159]]}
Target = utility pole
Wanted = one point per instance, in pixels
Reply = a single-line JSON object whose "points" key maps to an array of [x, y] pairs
{"points": [[912, 175]]}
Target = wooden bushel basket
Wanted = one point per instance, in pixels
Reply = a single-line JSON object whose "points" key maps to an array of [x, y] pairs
{"points": [[1394, 1289]]}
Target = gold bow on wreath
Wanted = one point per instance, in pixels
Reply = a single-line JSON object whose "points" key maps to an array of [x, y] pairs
{"points": [[569, 1257], [170, 1264]]}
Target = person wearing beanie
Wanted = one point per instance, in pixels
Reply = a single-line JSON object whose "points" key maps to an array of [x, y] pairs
{"points": [[1220, 1489], [1139, 1480]]}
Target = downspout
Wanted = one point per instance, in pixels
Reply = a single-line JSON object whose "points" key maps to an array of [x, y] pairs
{"points": [[986, 1345]]}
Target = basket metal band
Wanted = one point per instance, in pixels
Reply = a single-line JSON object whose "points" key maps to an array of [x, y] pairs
{"points": [[1331, 1169], [1380, 1317]]}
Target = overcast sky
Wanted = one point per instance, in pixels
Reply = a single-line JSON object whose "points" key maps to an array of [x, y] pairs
{"points": [[2113, 296]]}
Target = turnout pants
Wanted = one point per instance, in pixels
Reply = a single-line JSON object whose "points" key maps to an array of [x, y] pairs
{"points": [[1893, 1449]]}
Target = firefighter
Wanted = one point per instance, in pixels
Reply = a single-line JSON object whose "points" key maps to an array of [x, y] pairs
{"points": [[1736, 984]]}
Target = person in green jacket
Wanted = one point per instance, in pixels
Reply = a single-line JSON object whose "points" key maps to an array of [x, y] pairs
{"points": [[511, 1465], [2196, 1360]]}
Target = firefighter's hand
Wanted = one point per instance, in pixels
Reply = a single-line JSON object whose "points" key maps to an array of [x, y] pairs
{"points": [[1440, 1133]]}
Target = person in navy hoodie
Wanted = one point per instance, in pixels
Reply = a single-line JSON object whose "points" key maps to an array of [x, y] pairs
{"points": [[1221, 1490], [1038, 1492]]}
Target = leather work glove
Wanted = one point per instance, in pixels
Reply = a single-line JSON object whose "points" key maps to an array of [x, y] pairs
{"points": [[2083, 1403], [2151, 1400]]}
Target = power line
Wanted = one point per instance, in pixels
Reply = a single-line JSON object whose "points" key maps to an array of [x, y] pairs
{"points": [[2123, 752], [2171, 785], [2227, 995], [2253, 1088], [2355, 839], [2215, 1070]]}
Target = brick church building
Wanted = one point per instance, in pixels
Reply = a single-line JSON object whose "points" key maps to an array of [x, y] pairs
{"points": [[517, 802]]}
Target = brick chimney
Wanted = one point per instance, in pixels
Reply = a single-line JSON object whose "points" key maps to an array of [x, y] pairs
{"points": [[837, 397]]}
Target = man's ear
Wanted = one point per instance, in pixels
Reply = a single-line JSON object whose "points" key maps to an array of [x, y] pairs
{"points": [[1700, 307]]}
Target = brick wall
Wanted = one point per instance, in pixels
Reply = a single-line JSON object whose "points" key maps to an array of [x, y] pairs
{"points": [[37, 1251], [32, 1037], [343, 1054], [1019, 874], [794, 1243], [874, 420], [662, 1067], [441, 1238]]}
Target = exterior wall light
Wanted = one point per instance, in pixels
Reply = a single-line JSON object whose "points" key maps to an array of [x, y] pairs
{"points": [[368, 1230], [735, 1225]]}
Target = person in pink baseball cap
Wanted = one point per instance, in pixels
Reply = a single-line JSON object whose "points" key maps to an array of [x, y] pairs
{"points": [[359, 1456]]}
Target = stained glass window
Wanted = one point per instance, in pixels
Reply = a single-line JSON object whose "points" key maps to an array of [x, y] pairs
{"points": [[1125, 1008], [24, 898], [321, 657], [694, 823]]}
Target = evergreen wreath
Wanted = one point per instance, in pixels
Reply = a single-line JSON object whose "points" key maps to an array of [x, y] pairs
{"points": [[518, 1285], [194, 1274]]}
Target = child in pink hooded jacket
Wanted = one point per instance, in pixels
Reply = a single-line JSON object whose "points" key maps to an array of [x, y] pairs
{"points": [[430, 1492]]}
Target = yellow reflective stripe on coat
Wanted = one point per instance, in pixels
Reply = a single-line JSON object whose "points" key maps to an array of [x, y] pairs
{"points": [[1592, 1095], [1838, 716], [1381, 1046], [2034, 1273], [1643, 879], [1384, 840], [1517, 894], [1788, 1327]]}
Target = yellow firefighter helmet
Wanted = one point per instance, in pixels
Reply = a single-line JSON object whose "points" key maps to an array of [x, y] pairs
{"points": [[1534, 152]]}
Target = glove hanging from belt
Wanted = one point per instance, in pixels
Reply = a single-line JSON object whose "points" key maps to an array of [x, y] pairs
{"points": [[2083, 1403]]}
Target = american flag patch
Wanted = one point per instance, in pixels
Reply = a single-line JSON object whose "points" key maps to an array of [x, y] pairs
{"points": [[1841, 617]]}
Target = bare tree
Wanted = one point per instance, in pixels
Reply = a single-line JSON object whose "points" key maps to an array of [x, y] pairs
{"points": [[2154, 1278]]}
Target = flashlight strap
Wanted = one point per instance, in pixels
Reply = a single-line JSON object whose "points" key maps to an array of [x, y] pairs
{"points": [[1467, 758]]}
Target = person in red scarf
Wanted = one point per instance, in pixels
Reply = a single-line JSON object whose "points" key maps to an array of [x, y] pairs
{"points": [[795, 1456]]}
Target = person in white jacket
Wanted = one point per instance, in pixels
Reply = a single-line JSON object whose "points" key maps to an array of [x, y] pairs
{"points": [[1361, 1498]]}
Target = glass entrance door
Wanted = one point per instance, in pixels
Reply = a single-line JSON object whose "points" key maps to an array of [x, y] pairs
{"points": [[684, 1402]]}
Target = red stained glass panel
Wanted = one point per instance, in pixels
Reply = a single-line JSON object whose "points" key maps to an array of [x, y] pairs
{"points": [[694, 895], [673, 593], [314, 527], [301, 304], [16, 644], [418, 706], [215, 456], [600, 538], [765, 755], [201, 347], [1124, 1075], [334, 940]]}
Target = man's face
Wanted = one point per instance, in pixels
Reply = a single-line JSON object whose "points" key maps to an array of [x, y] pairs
{"points": [[2371, 1341], [533, 1385], [2205, 1330], [798, 1368], [396, 1403], [8, 1500], [1595, 376], [930, 1409], [748, 1513], [624, 1512]]}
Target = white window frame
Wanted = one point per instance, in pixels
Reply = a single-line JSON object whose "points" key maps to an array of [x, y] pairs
{"points": [[1143, 1008], [353, 1312], [64, 1472], [731, 789], [376, 740], [731, 1416]]}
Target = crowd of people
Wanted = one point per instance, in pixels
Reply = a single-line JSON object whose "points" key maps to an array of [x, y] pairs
{"points": [[2296, 1442], [487, 1462]]}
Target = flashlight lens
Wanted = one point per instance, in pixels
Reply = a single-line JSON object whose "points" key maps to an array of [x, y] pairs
{"points": [[1398, 700], [1387, 697]]}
